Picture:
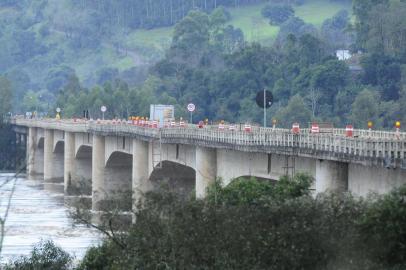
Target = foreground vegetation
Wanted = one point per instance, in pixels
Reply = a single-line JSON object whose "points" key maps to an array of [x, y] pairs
{"points": [[251, 224]]}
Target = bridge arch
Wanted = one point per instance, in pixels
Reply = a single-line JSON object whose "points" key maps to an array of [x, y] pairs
{"points": [[54, 153], [79, 180], [59, 147], [178, 177], [83, 151], [38, 159], [40, 143], [118, 181]]}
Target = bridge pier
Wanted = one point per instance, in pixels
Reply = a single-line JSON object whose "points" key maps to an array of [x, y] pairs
{"points": [[140, 171], [53, 163], [35, 154], [98, 185], [69, 161], [206, 169], [331, 176]]}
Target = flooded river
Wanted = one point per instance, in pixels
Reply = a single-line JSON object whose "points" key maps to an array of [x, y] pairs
{"points": [[37, 214]]}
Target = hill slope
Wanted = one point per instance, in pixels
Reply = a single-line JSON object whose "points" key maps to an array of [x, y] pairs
{"points": [[45, 42]]}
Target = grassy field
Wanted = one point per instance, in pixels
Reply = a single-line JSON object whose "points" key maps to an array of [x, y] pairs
{"points": [[257, 28], [248, 19]]}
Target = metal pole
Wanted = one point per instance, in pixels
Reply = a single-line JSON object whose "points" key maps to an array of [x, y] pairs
{"points": [[103, 115], [264, 108], [191, 117]]}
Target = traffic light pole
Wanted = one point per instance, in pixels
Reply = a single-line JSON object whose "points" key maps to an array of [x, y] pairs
{"points": [[264, 108]]}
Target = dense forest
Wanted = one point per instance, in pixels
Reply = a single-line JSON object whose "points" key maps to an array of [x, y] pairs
{"points": [[209, 62]]}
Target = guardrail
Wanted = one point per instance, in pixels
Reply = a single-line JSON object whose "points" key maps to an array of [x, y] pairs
{"points": [[364, 143]]}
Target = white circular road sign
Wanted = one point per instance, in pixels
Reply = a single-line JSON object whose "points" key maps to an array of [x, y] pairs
{"points": [[103, 108], [58, 110], [191, 107]]}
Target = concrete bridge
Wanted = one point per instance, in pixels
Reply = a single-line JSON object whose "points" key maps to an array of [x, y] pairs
{"points": [[100, 159]]}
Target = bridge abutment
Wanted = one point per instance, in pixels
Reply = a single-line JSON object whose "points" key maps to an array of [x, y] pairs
{"points": [[331, 176]]}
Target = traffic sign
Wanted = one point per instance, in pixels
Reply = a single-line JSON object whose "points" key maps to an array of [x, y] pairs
{"points": [[264, 99], [191, 107], [58, 110], [103, 108]]}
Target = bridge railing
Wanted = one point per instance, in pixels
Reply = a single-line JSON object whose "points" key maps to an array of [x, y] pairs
{"points": [[371, 147], [365, 143]]}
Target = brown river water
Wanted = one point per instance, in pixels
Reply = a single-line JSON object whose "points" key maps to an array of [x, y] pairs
{"points": [[35, 214]]}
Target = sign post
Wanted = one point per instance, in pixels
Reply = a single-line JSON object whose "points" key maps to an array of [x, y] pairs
{"points": [[58, 111], [103, 109], [264, 108], [191, 108]]}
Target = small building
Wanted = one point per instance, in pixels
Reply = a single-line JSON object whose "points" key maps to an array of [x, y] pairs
{"points": [[343, 55], [161, 113]]}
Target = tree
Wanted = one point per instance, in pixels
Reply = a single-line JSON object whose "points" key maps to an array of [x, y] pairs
{"points": [[334, 31], [366, 108], [6, 96], [313, 99], [45, 255], [330, 77], [383, 71], [382, 229], [277, 14], [295, 26], [295, 111], [191, 37], [361, 9]]}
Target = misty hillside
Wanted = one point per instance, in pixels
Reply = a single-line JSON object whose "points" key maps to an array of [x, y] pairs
{"points": [[81, 54], [43, 42]]}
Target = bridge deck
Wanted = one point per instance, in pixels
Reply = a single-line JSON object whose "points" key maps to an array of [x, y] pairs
{"points": [[366, 147]]}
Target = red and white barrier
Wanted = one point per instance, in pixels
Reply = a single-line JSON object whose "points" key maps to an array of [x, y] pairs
{"points": [[247, 128], [349, 131], [315, 128], [295, 128]]}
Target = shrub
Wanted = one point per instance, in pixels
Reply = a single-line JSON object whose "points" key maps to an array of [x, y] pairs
{"points": [[45, 256], [383, 228]]}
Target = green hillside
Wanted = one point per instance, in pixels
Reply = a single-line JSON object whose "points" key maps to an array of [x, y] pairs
{"points": [[45, 43]]}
